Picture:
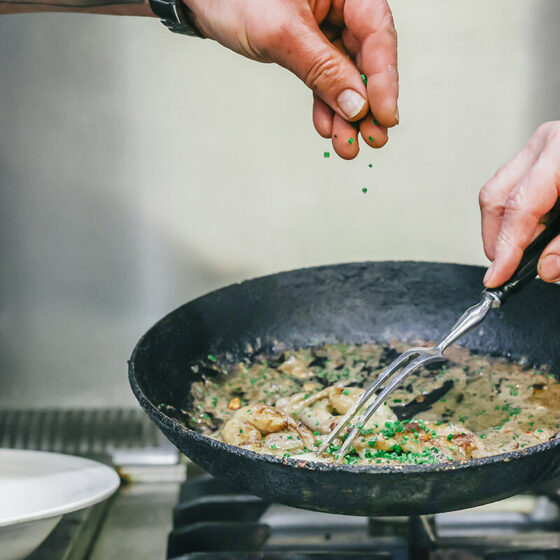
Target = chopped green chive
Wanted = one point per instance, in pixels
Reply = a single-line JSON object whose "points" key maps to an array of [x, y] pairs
{"points": [[350, 140], [364, 190], [364, 79], [212, 358], [370, 165], [326, 154], [370, 138]]}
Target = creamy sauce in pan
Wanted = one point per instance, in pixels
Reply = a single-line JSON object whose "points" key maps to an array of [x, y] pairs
{"points": [[471, 406]]}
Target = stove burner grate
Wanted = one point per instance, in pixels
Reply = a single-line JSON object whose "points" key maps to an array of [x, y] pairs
{"points": [[215, 522]]}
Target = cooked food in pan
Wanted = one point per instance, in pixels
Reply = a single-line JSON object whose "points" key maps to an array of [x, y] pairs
{"points": [[473, 406]]}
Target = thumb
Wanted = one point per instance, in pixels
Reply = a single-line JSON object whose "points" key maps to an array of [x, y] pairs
{"points": [[305, 51]]}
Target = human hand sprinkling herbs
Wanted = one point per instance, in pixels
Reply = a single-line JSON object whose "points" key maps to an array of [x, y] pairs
{"points": [[326, 43], [344, 50], [516, 203]]}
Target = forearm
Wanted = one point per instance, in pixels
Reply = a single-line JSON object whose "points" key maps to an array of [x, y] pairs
{"points": [[113, 7]]}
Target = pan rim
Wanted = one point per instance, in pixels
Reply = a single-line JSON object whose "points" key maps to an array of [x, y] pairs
{"points": [[310, 465]]}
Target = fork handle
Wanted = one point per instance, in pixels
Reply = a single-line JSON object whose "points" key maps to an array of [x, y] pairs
{"points": [[527, 269]]}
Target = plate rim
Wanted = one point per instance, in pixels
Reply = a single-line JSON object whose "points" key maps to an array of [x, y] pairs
{"points": [[55, 511]]}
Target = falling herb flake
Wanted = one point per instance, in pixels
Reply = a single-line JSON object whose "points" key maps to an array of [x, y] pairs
{"points": [[326, 154], [364, 79], [371, 139], [350, 140], [364, 190], [212, 358], [370, 165]]}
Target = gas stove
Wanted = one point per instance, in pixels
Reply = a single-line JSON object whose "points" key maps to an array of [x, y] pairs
{"points": [[213, 522], [167, 509]]}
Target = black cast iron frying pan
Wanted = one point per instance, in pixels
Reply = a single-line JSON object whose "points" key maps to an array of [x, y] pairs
{"points": [[355, 303]]}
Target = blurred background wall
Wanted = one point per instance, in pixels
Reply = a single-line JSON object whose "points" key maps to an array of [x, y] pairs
{"points": [[140, 169]]}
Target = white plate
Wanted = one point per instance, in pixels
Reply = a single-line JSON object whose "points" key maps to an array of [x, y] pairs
{"points": [[37, 488]]}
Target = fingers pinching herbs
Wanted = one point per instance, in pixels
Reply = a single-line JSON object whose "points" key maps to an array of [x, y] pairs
{"points": [[329, 44], [515, 201], [304, 49], [322, 117], [373, 134], [344, 138], [371, 29]]}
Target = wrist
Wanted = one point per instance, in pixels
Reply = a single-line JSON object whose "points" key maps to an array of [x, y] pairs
{"points": [[141, 8], [176, 16]]}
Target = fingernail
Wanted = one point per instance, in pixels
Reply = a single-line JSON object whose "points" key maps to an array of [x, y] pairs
{"points": [[397, 115], [549, 268], [350, 102], [488, 274]]}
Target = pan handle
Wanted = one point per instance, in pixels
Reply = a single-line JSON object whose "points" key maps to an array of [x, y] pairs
{"points": [[527, 269]]}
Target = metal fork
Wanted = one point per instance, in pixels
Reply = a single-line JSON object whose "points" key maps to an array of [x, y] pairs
{"points": [[415, 358]]}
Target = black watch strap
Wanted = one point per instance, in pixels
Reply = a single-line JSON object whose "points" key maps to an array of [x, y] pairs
{"points": [[176, 16]]}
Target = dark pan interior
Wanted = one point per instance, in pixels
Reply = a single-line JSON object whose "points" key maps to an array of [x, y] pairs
{"points": [[357, 303]]}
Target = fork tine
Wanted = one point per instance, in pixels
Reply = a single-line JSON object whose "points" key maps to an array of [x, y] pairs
{"points": [[385, 374], [397, 380]]}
